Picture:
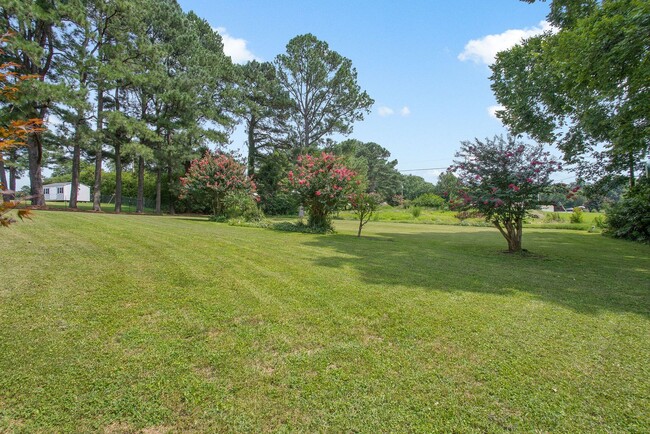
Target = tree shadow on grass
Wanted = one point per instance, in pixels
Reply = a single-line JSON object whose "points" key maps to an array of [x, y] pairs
{"points": [[587, 273], [201, 219]]}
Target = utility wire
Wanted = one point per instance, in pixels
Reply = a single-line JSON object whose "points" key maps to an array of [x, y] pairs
{"points": [[419, 170]]}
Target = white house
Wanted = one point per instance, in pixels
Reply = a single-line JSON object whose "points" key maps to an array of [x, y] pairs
{"points": [[61, 191]]}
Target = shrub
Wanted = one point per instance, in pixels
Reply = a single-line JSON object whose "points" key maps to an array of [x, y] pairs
{"points": [[280, 203], [214, 179], [599, 222], [429, 200], [416, 211], [364, 205], [242, 206], [577, 216], [300, 227], [553, 217], [468, 214], [630, 218]]}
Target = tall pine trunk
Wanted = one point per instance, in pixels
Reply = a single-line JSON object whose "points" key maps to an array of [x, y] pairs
{"points": [[251, 146], [97, 187], [3, 180], [170, 173], [139, 208], [158, 189], [12, 175], [118, 159], [76, 153], [118, 176], [76, 163], [35, 154]]}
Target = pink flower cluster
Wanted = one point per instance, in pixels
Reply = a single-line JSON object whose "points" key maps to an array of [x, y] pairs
{"points": [[216, 174], [322, 181]]}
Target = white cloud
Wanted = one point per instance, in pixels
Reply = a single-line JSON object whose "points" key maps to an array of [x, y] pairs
{"points": [[405, 111], [492, 110], [484, 50], [235, 48], [384, 111]]}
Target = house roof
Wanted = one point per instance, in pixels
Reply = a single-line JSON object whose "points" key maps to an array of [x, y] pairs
{"points": [[61, 184]]}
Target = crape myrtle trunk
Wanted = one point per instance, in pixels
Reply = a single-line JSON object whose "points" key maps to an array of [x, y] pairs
{"points": [[512, 231]]}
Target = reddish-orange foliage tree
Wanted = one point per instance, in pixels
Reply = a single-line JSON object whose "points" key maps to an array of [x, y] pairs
{"points": [[13, 132]]}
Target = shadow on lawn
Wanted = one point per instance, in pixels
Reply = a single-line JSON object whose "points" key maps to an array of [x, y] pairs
{"points": [[587, 273]]}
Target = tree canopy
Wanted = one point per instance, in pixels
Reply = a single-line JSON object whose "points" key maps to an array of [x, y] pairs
{"points": [[373, 162], [322, 85], [503, 179], [584, 86]]}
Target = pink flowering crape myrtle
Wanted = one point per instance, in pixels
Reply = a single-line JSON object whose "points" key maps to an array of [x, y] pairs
{"points": [[503, 179], [323, 184], [213, 178]]}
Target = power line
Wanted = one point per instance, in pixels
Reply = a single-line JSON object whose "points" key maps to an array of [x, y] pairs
{"points": [[420, 170]]}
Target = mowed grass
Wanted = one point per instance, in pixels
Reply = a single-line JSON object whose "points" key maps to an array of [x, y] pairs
{"points": [[540, 220], [127, 207], [116, 323]]}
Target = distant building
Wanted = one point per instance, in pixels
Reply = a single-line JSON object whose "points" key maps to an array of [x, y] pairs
{"points": [[553, 208], [61, 191]]}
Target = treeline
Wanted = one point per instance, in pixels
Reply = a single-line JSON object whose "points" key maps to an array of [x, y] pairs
{"points": [[142, 87], [139, 83]]}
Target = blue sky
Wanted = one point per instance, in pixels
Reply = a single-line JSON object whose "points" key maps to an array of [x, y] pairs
{"points": [[425, 63]]}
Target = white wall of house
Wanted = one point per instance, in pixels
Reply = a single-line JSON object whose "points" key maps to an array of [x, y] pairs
{"points": [[61, 192]]}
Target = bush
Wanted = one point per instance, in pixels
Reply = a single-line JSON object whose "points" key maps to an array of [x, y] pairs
{"points": [[630, 218], [242, 206], [468, 214], [553, 217], [218, 218], [577, 216], [280, 203], [429, 200], [214, 179], [364, 206], [416, 211], [301, 227], [599, 222]]}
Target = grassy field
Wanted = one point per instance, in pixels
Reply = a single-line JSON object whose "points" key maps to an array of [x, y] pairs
{"points": [[127, 207], [122, 323], [440, 217]]}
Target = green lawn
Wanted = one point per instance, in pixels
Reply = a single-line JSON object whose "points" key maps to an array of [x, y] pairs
{"points": [[440, 217], [120, 323], [127, 206]]}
